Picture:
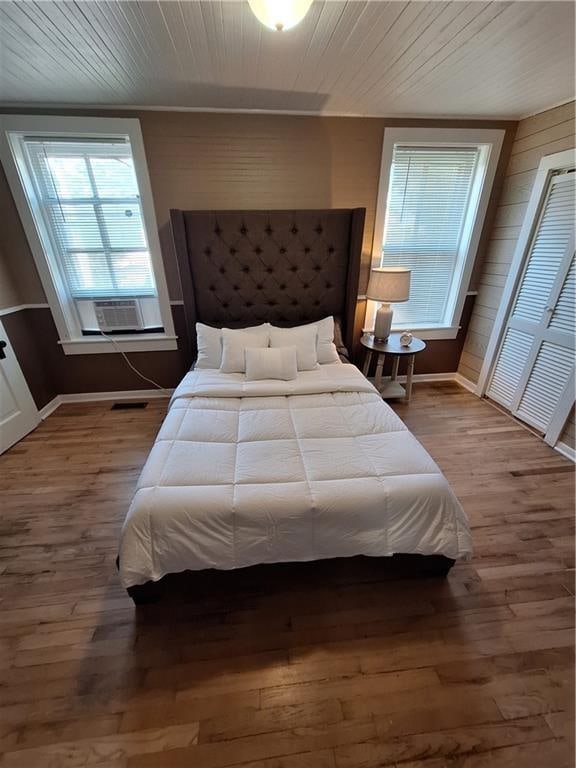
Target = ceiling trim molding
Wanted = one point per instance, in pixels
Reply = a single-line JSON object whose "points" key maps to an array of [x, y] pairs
{"points": [[233, 111]]}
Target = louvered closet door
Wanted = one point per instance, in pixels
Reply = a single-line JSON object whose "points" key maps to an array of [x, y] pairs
{"points": [[534, 369]]}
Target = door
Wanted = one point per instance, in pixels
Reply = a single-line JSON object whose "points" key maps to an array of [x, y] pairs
{"points": [[18, 412], [534, 372]]}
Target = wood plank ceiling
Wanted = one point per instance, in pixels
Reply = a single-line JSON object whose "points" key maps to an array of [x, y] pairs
{"points": [[493, 59]]}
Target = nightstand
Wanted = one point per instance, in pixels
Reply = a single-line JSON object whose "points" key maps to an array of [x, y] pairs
{"points": [[390, 388]]}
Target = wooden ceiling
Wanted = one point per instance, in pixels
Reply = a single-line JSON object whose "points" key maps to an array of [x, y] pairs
{"points": [[493, 59]]}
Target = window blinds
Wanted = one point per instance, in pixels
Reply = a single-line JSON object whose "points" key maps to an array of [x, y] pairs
{"points": [[428, 199], [89, 201]]}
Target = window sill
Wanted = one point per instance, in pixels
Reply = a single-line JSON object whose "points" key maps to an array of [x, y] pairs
{"points": [[426, 334], [96, 346]]}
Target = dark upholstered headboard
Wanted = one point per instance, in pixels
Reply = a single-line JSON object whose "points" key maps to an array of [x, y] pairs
{"points": [[240, 268]]}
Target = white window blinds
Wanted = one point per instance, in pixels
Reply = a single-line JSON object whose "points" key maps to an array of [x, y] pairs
{"points": [[428, 198], [89, 202]]}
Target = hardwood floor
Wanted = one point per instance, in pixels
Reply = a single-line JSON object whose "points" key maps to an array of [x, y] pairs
{"points": [[311, 666]]}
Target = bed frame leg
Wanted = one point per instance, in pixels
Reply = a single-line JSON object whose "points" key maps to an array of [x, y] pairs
{"points": [[144, 594], [438, 565], [421, 566]]}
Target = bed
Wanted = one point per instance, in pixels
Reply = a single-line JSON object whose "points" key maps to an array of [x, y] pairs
{"points": [[245, 473]]}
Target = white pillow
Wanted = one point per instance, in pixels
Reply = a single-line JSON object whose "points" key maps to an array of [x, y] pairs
{"points": [[279, 363], [234, 345], [209, 344], [327, 352], [325, 347], [303, 338]]}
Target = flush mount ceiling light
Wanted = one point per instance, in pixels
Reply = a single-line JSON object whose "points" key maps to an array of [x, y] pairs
{"points": [[280, 14]]}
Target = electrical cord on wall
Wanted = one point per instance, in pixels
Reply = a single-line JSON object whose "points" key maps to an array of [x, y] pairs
{"points": [[132, 367]]}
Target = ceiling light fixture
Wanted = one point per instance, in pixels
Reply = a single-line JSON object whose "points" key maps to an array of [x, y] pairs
{"points": [[280, 14]]}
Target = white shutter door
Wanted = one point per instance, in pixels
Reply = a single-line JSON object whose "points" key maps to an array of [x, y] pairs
{"points": [[535, 365], [510, 366], [546, 383], [564, 316]]}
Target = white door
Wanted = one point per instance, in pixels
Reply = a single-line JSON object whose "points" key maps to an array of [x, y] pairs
{"points": [[534, 372], [18, 412]]}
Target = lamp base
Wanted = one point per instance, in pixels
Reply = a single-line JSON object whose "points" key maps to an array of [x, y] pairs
{"points": [[383, 323]]}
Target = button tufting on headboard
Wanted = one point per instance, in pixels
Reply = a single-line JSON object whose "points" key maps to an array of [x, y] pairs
{"points": [[289, 267]]}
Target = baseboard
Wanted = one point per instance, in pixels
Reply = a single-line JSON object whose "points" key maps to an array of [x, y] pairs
{"points": [[50, 407], [95, 397], [566, 450], [466, 383], [431, 377], [126, 394], [149, 394]]}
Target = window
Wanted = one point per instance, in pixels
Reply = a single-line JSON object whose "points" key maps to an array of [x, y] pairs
{"points": [[88, 197], [437, 186], [83, 193]]}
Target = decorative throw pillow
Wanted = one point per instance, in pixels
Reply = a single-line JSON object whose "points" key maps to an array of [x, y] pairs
{"points": [[234, 345], [209, 344], [278, 363], [303, 338]]}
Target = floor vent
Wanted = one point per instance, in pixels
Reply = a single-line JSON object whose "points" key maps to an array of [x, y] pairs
{"points": [[127, 405]]}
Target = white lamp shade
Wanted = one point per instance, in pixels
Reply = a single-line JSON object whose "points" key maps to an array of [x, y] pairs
{"points": [[389, 284], [280, 14]]}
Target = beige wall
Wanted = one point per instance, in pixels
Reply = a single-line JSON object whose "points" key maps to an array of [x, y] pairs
{"points": [[218, 161], [9, 295], [15, 257], [568, 436], [546, 133], [258, 162]]}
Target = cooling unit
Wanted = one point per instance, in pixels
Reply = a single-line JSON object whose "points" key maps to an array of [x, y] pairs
{"points": [[118, 315]]}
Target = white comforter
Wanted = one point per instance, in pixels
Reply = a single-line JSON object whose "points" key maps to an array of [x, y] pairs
{"points": [[270, 471]]}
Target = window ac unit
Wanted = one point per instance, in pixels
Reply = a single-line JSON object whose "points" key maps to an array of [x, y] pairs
{"points": [[118, 315]]}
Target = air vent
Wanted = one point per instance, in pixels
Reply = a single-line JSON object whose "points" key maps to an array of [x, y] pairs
{"points": [[118, 315]]}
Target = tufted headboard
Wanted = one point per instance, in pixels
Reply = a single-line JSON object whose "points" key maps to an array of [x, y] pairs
{"points": [[241, 268]]}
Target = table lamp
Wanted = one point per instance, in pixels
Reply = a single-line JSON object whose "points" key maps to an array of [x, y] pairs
{"points": [[387, 284]]}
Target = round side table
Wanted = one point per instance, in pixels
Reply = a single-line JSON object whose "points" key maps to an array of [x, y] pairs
{"points": [[390, 388]]}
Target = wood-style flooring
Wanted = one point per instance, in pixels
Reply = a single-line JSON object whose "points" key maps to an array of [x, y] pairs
{"points": [[312, 666]]}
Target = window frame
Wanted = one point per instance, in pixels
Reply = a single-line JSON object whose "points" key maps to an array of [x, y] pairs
{"points": [[490, 140], [22, 187]]}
